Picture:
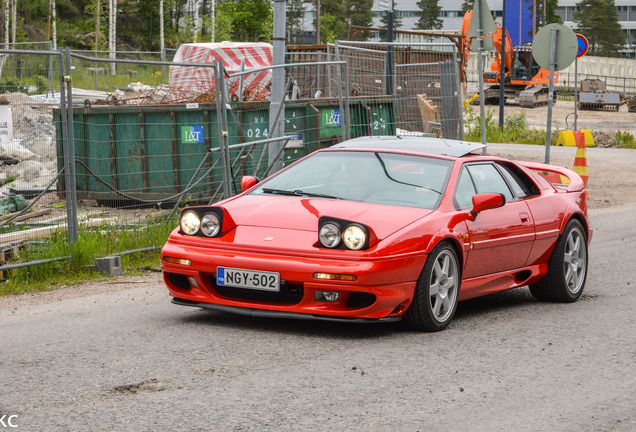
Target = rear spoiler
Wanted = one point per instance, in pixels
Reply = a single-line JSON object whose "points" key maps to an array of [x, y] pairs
{"points": [[556, 175]]}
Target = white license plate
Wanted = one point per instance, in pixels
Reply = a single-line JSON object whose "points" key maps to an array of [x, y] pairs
{"points": [[251, 279]]}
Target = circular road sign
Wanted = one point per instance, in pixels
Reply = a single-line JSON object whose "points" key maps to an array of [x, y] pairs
{"points": [[566, 46], [583, 45]]}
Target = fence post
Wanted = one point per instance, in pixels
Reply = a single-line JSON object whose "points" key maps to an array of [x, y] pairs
{"points": [[72, 184], [347, 117], [343, 128], [163, 59], [221, 119], [51, 89], [460, 102], [65, 147], [277, 130]]}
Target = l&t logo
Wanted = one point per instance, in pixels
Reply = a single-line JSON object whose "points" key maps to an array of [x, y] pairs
{"points": [[192, 134]]}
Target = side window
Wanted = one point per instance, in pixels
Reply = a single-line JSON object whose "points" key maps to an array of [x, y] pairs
{"points": [[464, 192], [522, 185], [487, 179]]}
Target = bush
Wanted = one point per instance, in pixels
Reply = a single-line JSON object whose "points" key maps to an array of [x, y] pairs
{"points": [[624, 140], [515, 129]]}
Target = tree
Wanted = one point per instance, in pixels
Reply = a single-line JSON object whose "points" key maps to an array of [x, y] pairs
{"points": [[251, 19], [429, 15], [397, 19], [333, 21], [467, 5], [359, 13], [99, 16], [295, 12], [598, 21], [547, 15]]}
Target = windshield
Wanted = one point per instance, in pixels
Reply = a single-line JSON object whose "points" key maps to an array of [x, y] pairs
{"points": [[371, 177]]}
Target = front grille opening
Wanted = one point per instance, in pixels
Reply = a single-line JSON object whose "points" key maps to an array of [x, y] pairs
{"points": [[179, 280], [288, 294], [358, 300]]}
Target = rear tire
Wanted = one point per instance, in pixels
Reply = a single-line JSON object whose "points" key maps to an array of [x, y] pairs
{"points": [[567, 268], [435, 298]]}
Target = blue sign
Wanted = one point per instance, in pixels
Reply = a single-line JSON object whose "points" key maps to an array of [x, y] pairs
{"points": [[192, 134], [519, 21], [583, 45], [296, 140]]}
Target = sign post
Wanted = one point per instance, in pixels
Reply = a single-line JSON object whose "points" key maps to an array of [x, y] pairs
{"points": [[583, 45], [481, 23], [388, 6], [562, 44]]}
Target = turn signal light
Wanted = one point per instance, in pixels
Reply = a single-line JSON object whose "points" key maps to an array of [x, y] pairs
{"points": [[334, 276], [173, 260]]}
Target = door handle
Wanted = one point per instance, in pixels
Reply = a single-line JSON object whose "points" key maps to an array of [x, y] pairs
{"points": [[524, 217]]}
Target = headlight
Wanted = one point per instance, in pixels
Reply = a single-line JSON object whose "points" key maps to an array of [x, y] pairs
{"points": [[354, 237], [210, 225], [329, 235], [190, 223]]}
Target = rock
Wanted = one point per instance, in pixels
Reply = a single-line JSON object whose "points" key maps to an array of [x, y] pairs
{"points": [[27, 170], [44, 148], [16, 150]]}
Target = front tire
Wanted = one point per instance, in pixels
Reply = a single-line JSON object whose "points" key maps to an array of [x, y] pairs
{"points": [[567, 268], [435, 298]]}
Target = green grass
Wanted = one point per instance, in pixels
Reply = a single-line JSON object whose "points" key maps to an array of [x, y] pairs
{"points": [[95, 242], [32, 76], [515, 129], [624, 140]]}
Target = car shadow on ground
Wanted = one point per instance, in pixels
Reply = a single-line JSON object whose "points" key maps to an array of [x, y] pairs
{"points": [[499, 303], [301, 327]]}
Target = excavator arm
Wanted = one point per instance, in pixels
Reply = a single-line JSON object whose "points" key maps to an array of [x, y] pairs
{"points": [[495, 67]]}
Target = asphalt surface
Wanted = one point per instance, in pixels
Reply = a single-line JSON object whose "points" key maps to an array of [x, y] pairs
{"points": [[129, 360]]}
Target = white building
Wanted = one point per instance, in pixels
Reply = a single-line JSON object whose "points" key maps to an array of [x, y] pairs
{"points": [[452, 16]]}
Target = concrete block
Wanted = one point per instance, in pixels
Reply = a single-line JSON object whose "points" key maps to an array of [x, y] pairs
{"points": [[109, 265]]}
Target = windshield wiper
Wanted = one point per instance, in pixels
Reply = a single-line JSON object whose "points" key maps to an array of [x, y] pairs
{"points": [[298, 192]]}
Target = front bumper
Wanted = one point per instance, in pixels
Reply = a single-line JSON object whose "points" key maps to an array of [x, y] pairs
{"points": [[263, 313], [383, 289]]}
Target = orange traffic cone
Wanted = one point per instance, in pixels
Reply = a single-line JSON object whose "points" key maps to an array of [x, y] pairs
{"points": [[580, 160]]}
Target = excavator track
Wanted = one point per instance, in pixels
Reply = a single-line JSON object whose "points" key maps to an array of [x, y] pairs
{"points": [[533, 96]]}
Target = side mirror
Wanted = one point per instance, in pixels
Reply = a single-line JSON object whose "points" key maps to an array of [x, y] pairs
{"points": [[485, 201], [247, 182]]}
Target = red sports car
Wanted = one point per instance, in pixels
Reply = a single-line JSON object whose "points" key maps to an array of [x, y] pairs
{"points": [[384, 229]]}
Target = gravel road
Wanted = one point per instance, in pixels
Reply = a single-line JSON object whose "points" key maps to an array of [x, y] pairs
{"points": [[117, 356]]}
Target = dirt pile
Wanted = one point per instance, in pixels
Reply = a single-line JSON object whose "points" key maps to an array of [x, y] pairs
{"points": [[29, 159]]}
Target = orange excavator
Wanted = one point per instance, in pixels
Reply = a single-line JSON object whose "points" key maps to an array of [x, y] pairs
{"points": [[525, 80]]}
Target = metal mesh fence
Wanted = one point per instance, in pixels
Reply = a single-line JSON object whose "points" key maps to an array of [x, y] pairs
{"points": [[21, 72], [428, 99], [423, 89], [101, 80], [367, 69], [136, 151], [32, 211]]}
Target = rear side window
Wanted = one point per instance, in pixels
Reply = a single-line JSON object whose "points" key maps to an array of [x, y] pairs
{"points": [[521, 184], [487, 179]]}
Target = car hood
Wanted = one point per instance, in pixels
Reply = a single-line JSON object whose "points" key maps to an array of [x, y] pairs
{"points": [[302, 213]]}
